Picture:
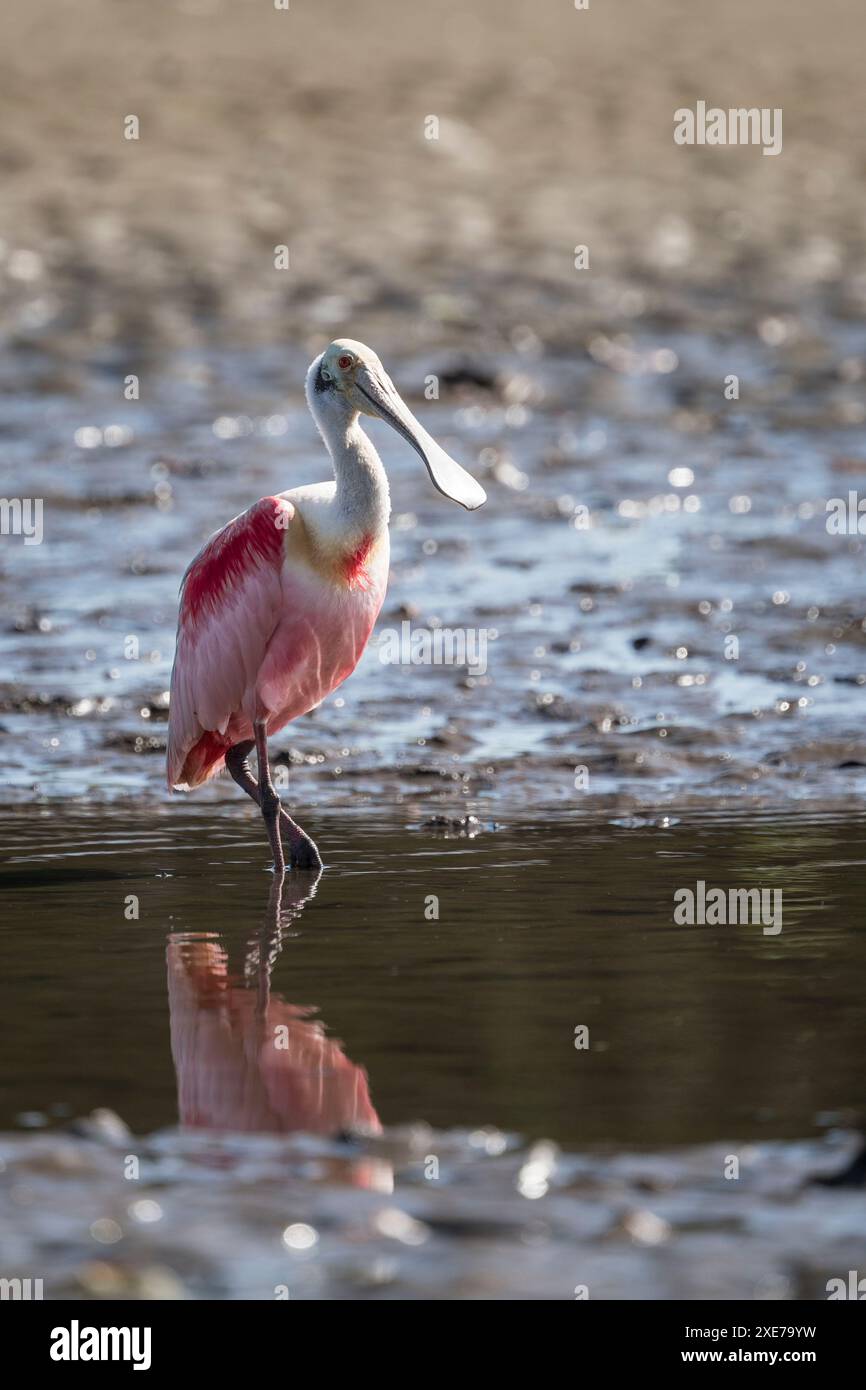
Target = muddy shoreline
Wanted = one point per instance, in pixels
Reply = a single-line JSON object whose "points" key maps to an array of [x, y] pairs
{"points": [[214, 1217]]}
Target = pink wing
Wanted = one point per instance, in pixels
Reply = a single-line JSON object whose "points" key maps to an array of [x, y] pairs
{"points": [[230, 605]]}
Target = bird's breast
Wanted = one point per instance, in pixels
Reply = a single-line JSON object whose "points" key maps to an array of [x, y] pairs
{"points": [[328, 613], [354, 563]]}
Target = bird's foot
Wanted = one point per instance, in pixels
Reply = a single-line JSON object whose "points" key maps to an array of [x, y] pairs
{"points": [[303, 853]]}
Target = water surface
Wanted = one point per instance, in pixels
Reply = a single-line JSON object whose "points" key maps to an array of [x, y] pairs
{"points": [[695, 1032]]}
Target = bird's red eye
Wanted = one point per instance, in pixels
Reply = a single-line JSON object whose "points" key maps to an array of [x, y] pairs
{"points": [[344, 362]]}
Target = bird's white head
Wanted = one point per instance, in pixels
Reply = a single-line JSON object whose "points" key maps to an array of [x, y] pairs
{"points": [[348, 379]]}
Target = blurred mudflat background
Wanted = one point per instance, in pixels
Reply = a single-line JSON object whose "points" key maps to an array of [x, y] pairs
{"points": [[307, 127], [638, 519]]}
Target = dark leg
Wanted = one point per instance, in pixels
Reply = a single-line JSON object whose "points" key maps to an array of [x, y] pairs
{"points": [[269, 800], [238, 764], [302, 852]]}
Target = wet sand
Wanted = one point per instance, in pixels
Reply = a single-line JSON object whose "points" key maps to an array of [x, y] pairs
{"points": [[666, 620], [217, 1218]]}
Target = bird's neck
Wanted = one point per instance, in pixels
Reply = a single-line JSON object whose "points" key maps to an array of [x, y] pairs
{"points": [[362, 498]]}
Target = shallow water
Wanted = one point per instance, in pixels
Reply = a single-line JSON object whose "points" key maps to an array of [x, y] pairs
{"points": [[695, 1032], [269, 1056]]}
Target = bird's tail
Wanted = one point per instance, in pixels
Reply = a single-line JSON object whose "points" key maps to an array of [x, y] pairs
{"points": [[191, 767]]}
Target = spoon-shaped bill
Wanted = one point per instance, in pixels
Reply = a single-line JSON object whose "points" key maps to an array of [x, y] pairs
{"points": [[445, 473]]}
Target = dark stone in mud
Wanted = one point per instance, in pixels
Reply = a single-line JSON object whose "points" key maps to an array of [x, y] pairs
{"points": [[31, 620], [13, 701], [107, 501], [293, 757], [137, 743], [188, 468], [852, 1176], [557, 708], [155, 708], [104, 1126], [450, 737], [468, 374], [467, 826]]}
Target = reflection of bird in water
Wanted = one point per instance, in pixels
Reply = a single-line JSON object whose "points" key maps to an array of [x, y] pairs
{"points": [[247, 1061], [278, 606]]}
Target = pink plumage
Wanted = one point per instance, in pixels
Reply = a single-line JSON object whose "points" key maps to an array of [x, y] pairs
{"points": [[278, 606], [268, 627]]}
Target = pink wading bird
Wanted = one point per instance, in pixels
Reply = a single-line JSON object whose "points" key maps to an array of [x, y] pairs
{"points": [[278, 606]]}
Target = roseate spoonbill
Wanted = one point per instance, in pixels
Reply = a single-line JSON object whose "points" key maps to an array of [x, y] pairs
{"points": [[248, 1061], [277, 607]]}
